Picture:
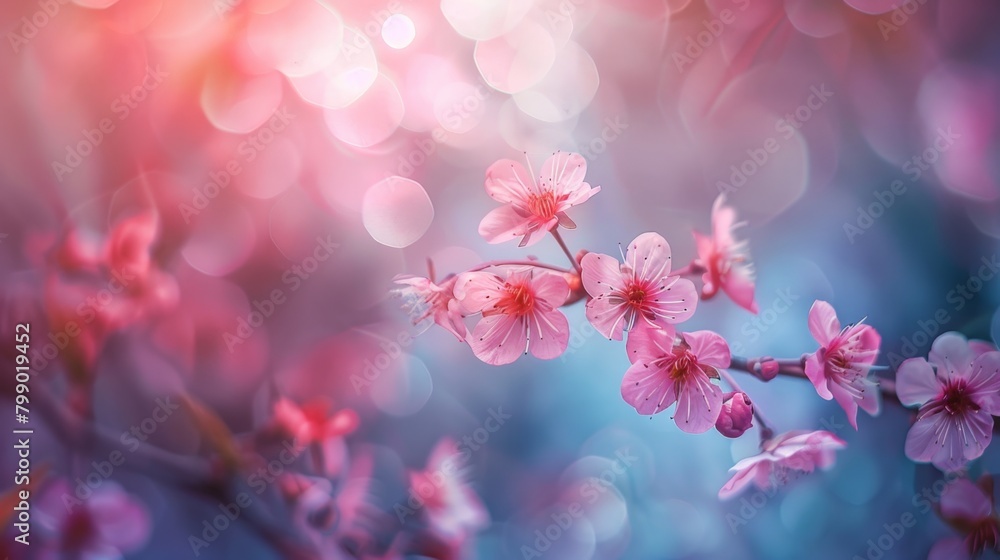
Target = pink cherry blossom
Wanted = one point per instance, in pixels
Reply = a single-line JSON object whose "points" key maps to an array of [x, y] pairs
{"points": [[107, 524], [520, 314], [958, 391], [453, 509], [725, 260], [781, 457], [969, 508], [665, 371], [531, 209], [839, 369], [638, 291], [423, 299]]}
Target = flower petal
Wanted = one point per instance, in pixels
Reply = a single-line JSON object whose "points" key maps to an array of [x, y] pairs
{"points": [[951, 353], [606, 316], [478, 291], [647, 343], [723, 221], [699, 403], [823, 323], [871, 402], [847, 402], [508, 181], [916, 382], [550, 288], [740, 480], [648, 389], [739, 286], [816, 372], [503, 224], [984, 382], [648, 256], [563, 173], [601, 274], [675, 302], [549, 334], [710, 348], [499, 339], [452, 320], [964, 500]]}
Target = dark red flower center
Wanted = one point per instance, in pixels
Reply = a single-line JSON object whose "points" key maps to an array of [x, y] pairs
{"points": [[983, 537], [956, 399]]}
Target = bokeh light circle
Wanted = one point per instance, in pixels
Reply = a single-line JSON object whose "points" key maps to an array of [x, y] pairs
{"points": [[397, 211], [398, 31]]}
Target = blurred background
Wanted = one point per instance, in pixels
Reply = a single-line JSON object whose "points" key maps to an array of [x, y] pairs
{"points": [[232, 157]]}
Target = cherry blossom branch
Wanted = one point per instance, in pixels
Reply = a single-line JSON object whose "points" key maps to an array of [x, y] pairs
{"points": [[767, 368], [562, 244], [192, 474], [537, 264], [766, 431]]}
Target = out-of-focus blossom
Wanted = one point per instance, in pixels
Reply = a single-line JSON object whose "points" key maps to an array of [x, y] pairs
{"points": [[780, 457], [736, 416], [958, 391], [531, 209], [453, 509], [969, 509], [107, 524], [316, 423], [520, 314], [639, 291], [725, 260], [335, 515], [423, 299], [839, 369], [665, 371], [128, 246]]}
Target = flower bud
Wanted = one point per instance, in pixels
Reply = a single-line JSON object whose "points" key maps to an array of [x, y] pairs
{"points": [[766, 368], [736, 416]]}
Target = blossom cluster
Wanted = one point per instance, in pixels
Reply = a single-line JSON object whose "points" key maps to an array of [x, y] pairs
{"points": [[643, 299]]}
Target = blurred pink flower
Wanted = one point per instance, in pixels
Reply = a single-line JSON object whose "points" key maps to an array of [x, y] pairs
{"points": [[315, 423], [665, 371], [737, 415], [725, 260], [968, 508], [332, 514], [958, 391], [532, 209], [453, 509], [792, 451], [839, 369], [424, 299], [107, 524], [520, 314], [638, 290], [128, 246]]}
